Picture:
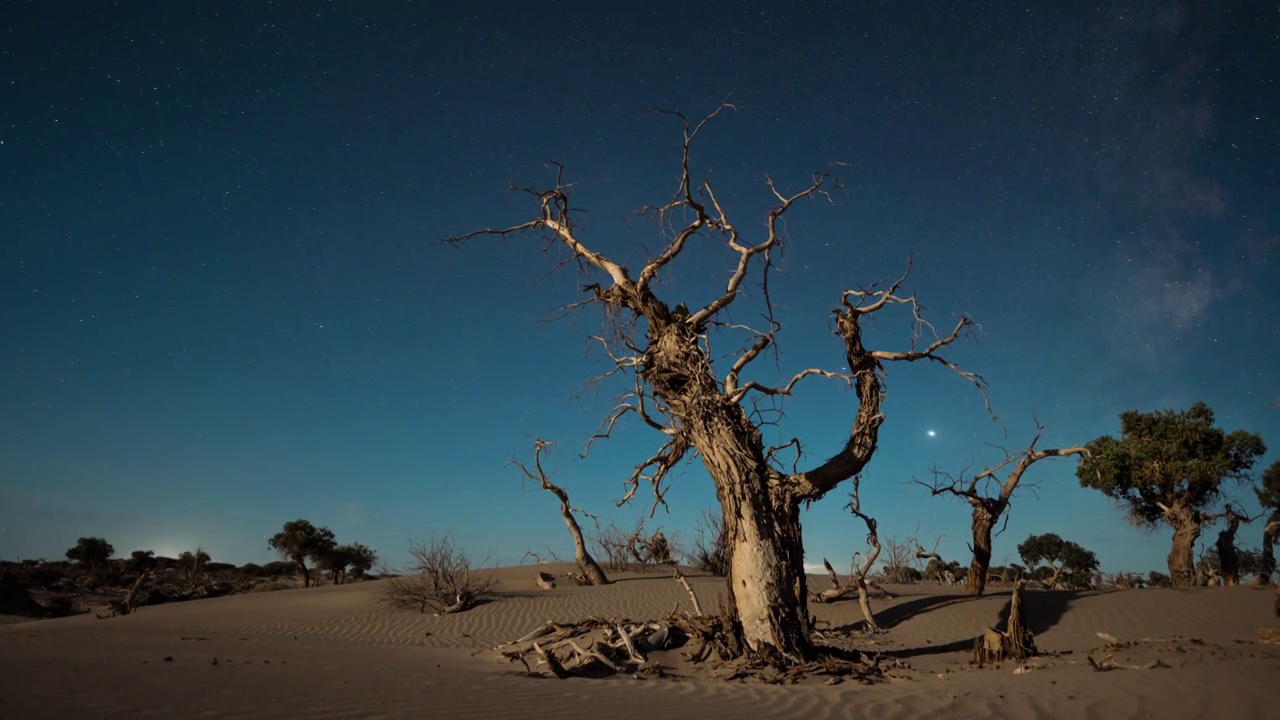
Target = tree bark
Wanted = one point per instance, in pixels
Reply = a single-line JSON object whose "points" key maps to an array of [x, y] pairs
{"points": [[983, 521], [1186, 530], [767, 584], [587, 565], [306, 574]]}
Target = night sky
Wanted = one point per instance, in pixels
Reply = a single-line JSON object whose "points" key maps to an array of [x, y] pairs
{"points": [[225, 302]]}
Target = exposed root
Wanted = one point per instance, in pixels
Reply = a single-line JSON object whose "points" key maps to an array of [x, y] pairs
{"points": [[600, 648]]}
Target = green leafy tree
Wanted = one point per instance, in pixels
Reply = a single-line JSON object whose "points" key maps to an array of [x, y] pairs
{"points": [[1168, 467], [360, 558], [91, 552], [1061, 557], [141, 561], [1268, 493], [300, 541], [335, 562]]}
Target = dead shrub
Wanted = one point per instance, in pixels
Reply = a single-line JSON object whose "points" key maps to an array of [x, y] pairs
{"points": [[711, 546], [440, 578]]}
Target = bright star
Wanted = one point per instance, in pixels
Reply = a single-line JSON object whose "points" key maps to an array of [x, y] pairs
{"points": [[931, 433]]}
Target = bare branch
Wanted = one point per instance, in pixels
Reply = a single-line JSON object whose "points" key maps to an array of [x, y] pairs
{"points": [[684, 198], [865, 367], [930, 353], [655, 469], [786, 389], [556, 219], [748, 252]]}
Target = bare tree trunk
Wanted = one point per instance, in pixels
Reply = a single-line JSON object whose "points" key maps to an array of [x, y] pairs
{"points": [[1269, 534], [1228, 558], [1057, 573], [587, 565], [1182, 565], [306, 574], [983, 521], [767, 583]]}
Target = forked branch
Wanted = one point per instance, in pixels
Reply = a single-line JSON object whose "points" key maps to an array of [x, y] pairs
{"points": [[865, 368]]}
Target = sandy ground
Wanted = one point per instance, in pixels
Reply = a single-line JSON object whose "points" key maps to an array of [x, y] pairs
{"points": [[335, 652]]}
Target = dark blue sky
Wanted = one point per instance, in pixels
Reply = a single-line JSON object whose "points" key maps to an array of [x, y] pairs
{"points": [[225, 305]]}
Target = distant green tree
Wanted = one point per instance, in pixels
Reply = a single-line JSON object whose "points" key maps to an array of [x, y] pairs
{"points": [[334, 561], [361, 558], [1268, 493], [1060, 556], [300, 541], [1169, 466], [91, 552], [141, 561], [1158, 579]]}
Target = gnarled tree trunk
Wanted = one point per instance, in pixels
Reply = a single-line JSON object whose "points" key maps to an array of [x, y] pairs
{"points": [[1057, 574], [1186, 530], [679, 394], [767, 582], [983, 521]]}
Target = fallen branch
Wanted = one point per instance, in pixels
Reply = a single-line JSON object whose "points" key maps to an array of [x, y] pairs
{"points": [[131, 601], [1108, 663], [680, 578]]}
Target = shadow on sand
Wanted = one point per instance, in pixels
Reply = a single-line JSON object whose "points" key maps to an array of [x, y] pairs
{"points": [[1042, 610]]}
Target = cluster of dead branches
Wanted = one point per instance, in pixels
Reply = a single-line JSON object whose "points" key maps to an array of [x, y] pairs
{"points": [[624, 550], [711, 545], [440, 579]]}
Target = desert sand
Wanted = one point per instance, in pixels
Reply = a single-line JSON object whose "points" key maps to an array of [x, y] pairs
{"points": [[336, 652]]}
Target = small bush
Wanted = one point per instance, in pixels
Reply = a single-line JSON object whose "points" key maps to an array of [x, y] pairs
{"points": [[440, 578]]}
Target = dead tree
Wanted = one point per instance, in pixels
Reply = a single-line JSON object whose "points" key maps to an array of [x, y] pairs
{"points": [[679, 392], [587, 565], [131, 601], [859, 578], [1015, 642], [988, 507]]}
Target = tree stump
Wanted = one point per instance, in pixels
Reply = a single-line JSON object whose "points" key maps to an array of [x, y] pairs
{"points": [[1016, 642]]}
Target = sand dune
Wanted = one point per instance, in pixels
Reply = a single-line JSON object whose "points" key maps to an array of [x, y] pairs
{"points": [[335, 652]]}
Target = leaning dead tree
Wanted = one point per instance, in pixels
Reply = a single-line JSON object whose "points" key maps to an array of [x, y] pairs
{"points": [[858, 578], [679, 391], [587, 565], [990, 496]]}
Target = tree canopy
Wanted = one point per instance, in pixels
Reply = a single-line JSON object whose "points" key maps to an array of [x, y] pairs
{"points": [[1167, 459], [1268, 491], [92, 552], [1063, 556], [300, 541]]}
